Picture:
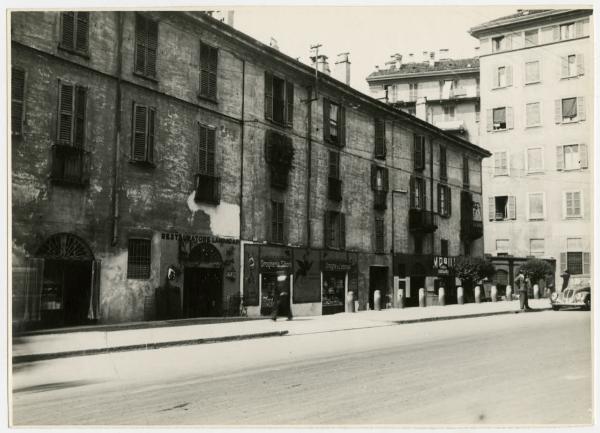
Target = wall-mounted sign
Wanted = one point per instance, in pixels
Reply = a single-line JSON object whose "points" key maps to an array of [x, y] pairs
{"points": [[336, 266], [199, 239], [443, 264], [274, 264]]}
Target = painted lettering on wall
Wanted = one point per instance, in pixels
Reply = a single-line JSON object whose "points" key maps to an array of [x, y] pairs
{"points": [[200, 239]]}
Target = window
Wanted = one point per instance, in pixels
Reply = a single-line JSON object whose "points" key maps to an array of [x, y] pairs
{"points": [[575, 260], [567, 31], [276, 222], [498, 43], [17, 100], [146, 45], [501, 247], [71, 115], [573, 205], [334, 164], [532, 72], [279, 154], [419, 152], [535, 160], [571, 157], [413, 89], [449, 112], [333, 123], [532, 114], [138, 259], [417, 193], [536, 209], [335, 230], [334, 181], [477, 112], [279, 100], [499, 118], [466, 176], [501, 77], [208, 71], [444, 200], [569, 109], [380, 148], [443, 164], [536, 247], [502, 208], [501, 163], [379, 235], [446, 89], [572, 66], [206, 151], [444, 247], [142, 146], [531, 37], [379, 178], [75, 31]]}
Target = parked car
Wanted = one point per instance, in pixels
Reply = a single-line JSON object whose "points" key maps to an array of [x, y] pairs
{"points": [[572, 298]]}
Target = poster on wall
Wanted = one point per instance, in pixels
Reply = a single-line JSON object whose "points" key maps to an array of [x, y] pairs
{"points": [[251, 273], [307, 276]]}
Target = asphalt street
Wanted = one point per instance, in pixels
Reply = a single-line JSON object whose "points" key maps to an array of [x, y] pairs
{"points": [[521, 369]]}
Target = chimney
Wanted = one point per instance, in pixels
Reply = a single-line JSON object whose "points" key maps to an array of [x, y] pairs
{"points": [[321, 64], [229, 19], [398, 60], [342, 68], [421, 108], [273, 43], [432, 59], [444, 54]]}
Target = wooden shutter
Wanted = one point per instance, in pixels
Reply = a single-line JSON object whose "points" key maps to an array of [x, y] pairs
{"points": [[213, 62], [334, 165], [268, 95], [342, 226], [373, 177], [579, 31], [140, 44], [448, 201], [80, 107], [443, 163], [586, 263], [289, 99], [555, 33], [202, 149], [510, 120], [151, 48], [65, 113], [412, 192], [151, 132], [580, 108], [327, 230], [204, 69], [423, 191], [509, 39], [140, 114], [560, 158], [439, 199], [269, 143], [512, 209], [94, 304], [211, 153], [326, 113], [583, 156], [489, 120], [341, 125], [564, 66], [418, 152], [564, 264], [557, 111], [385, 182], [509, 75], [466, 171], [379, 138], [82, 29], [379, 235], [580, 66], [492, 208], [17, 99], [68, 30]]}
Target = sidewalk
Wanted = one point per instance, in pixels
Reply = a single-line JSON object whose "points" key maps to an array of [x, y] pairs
{"points": [[42, 346]]}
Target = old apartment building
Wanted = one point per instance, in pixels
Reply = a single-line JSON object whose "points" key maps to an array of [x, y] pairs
{"points": [[537, 108], [166, 165], [447, 90]]}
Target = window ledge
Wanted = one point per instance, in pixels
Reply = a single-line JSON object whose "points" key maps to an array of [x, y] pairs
{"points": [[572, 77], [578, 217], [147, 164], [502, 175], [500, 87], [145, 77], [82, 54], [570, 122], [207, 99], [537, 125], [533, 83], [500, 130], [536, 219], [536, 172]]}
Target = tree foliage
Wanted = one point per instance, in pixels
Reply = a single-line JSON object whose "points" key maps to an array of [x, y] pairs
{"points": [[536, 269], [473, 269]]}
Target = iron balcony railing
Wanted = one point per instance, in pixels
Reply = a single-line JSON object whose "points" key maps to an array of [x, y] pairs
{"points": [[421, 221]]}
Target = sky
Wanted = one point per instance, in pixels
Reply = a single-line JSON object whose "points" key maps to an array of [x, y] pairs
{"points": [[370, 33]]}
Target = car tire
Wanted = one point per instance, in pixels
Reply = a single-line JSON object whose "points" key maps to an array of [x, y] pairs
{"points": [[555, 308], [588, 304]]}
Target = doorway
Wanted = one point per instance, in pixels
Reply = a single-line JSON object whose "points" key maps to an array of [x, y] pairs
{"points": [[202, 292], [378, 281], [272, 285]]}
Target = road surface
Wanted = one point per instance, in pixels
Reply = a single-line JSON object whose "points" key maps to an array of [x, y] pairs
{"points": [[523, 369]]}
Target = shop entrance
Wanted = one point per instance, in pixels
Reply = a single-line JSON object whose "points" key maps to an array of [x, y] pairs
{"points": [[272, 284], [417, 281], [334, 292], [378, 281], [203, 282]]}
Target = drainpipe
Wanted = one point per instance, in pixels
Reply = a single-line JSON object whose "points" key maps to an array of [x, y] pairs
{"points": [[431, 197], [116, 166], [309, 162], [242, 150]]}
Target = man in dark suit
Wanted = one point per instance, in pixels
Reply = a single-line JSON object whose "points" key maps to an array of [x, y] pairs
{"points": [[282, 305], [521, 285]]}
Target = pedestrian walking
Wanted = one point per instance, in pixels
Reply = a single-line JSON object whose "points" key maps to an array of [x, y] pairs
{"points": [[566, 275], [282, 306], [521, 283]]}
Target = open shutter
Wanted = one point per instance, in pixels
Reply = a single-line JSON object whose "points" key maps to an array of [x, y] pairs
{"points": [[412, 192], [80, 107], [580, 66], [510, 119], [512, 208], [81, 40], [583, 156], [379, 138], [489, 121], [586, 263], [564, 67], [580, 108], [18, 95], [423, 189], [150, 139], [151, 48], [210, 151], [202, 150], [385, 182], [268, 145], [342, 125], [268, 95], [449, 200], [439, 199], [140, 44], [557, 111], [327, 230], [579, 31], [564, 265], [213, 61], [509, 75], [373, 177], [94, 305], [68, 30], [342, 230], [289, 99], [560, 159], [65, 114], [492, 208], [326, 112], [139, 132], [204, 72], [417, 152]]}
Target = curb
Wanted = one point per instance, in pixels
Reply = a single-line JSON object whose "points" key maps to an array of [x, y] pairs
{"points": [[464, 316], [19, 359]]}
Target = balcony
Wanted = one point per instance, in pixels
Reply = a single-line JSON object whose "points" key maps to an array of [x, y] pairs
{"points": [[208, 189], [471, 230], [423, 221], [380, 200], [70, 165], [334, 189], [451, 125], [279, 177]]}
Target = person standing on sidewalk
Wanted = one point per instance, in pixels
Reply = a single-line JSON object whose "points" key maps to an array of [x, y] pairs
{"points": [[566, 275], [282, 306], [521, 286]]}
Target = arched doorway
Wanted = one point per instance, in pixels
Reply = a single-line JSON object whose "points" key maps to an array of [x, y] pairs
{"points": [[70, 284], [203, 282]]}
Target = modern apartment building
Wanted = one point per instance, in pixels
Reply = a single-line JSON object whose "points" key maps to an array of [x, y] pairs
{"points": [[537, 112], [448, 87], [166, 165]]}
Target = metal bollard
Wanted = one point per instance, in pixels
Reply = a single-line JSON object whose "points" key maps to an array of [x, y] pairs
{"points": [[350, 302], [477, 294], [441, 296], [536, 291], [377, 300], [422, 301], [494, 294], [460, 295], [401, 298], [509, 293]]}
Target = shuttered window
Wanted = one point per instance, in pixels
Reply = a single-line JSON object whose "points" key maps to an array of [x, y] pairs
{"points": [[71, 115], [138, 259], [75, 31], [444, 247], [335, 230], [532, 114], [502, 208], [379, 235], [535, 160], [146, 46], [501, 163], [444, 200], [417, 193], [573, 207], [380, 148], [379, 178], [572, 66], [334, 165], [531, 37], [17, 100], [206, 150], [536, 206], [466, 173], [142, 146], [333, 123], [419, 152], [208, 71], [443, 164], [277, 222], [279, 100]]}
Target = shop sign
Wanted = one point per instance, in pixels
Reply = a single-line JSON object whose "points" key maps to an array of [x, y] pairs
{"points": [[199, 239], [336, 266], [274, 263], [443, 264]]}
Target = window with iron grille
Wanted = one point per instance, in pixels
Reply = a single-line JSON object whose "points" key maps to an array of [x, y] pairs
{"points": [[17, 100], [209, 57], [138, 259], [443, 164], [279, 100], [466, 179], [380, 148], [333, 123], [335, 230], [146, 46], [444, 200], [379, 235], [419, 152], [142, 142], [575, 263], [276, 222], [71, 115], [75, 32]]}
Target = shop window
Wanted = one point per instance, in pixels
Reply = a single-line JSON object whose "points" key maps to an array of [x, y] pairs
{"points": [[209, 57], [279, 100], [17, 100], [146, 46], [75, 32], [333, 123], [138, 259]]}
